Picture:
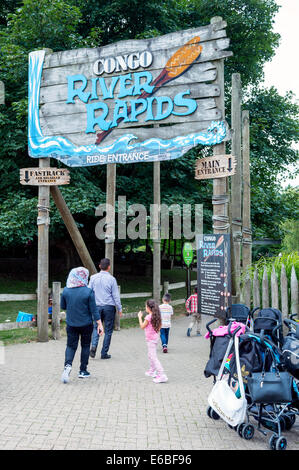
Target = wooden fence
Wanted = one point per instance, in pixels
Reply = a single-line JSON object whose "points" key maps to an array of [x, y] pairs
{"points": [[276, 292], [56, 291]]}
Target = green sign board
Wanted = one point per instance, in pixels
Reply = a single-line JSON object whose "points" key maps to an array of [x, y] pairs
{"points": [[188, 253]]}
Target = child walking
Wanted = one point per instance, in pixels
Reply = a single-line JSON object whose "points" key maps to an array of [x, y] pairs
{"points": [[191, 307], [151, 325], [166, 311]]}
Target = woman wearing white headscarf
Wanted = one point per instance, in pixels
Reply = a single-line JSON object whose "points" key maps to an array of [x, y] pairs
{"points": [[81, 312]]}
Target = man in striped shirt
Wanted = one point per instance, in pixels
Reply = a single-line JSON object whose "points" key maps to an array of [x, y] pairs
{"points": [[191, 307]]}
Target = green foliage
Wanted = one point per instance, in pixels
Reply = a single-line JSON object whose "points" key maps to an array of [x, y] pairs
{"points": [[290, 241], [44, 23], [68, 24], [287, 259]]}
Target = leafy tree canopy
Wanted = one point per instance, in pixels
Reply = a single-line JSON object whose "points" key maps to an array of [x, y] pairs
{"points": [[67, 24]]}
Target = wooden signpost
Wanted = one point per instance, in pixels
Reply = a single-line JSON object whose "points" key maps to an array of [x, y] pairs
{"points": [[44, 176], [216, 166], [145, 100], [101, 106]]}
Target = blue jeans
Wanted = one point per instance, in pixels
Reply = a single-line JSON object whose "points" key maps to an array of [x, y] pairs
{"points": [[73, 335], [107, 314], [164, 333]]}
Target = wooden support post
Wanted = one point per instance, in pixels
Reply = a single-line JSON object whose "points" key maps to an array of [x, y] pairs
{"points": [[156, 233], [43, 221], [256, 290], [166, 287], [284, 296], [265, 289], [220, 190], [220, 185], [247, 235], [56, 287], [274, 289], [294, 293], [236, 185], [110, 216], [73, 230]]}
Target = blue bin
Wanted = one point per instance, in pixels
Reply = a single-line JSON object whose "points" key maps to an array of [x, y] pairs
{"points": [[22, 316]]}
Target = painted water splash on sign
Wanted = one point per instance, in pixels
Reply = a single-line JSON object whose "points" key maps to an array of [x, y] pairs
{"points": [[122, 150]]}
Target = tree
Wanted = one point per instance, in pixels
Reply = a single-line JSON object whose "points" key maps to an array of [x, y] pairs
{"points": [[67, 24]]}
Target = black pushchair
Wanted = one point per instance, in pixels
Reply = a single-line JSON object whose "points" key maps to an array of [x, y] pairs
{"points": [[268, 322], [218, 347], [239, 313], [290, 348], [274, 414], [254, 356]]}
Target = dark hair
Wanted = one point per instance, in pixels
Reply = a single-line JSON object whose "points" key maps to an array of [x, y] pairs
{"points": [[167, 297], [104, 264], [156, 315]]}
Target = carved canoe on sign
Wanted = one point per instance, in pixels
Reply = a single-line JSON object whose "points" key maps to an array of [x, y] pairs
{"points": [[98, 106]]}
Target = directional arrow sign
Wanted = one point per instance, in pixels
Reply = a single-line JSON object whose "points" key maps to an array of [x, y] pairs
{"points": [[44, 176], [216, 166]]}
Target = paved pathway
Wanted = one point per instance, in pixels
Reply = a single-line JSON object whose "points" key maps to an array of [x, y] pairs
{"points": [[118, 407]]}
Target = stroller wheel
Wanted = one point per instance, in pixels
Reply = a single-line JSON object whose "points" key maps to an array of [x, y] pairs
{"points": [[212, 414], [240, 428], [281, 443], [248, 431], [277, 443]]}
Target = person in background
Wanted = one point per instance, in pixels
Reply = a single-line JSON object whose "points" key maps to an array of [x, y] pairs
{"points": [[50, 308], [79, 302], [151, 325], [166, 311], [107, 299], [191, 307]]}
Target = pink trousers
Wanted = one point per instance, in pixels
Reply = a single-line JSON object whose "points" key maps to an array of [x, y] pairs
{"points": [[155, 364]]}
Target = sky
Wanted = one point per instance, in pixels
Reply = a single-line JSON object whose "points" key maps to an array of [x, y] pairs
{"points": [[283, 71]]}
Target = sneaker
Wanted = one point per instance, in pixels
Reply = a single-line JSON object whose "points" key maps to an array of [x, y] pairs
{"points": [[92, 352], [188, 331], [65, 378], [83, 374], [150, 373], [160, 379], [165, 349]]}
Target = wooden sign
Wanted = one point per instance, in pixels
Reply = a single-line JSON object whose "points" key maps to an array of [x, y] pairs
{"points": [[44, 176], [216, 166], [103, 105]]}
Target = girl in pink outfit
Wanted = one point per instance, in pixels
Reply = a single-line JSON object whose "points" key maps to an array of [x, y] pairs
{"points": [[151, 325]]}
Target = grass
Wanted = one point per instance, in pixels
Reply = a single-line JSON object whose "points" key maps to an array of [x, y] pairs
{"points": [[9, 310]]}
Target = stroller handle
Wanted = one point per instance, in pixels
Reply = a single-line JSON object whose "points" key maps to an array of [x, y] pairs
{"points": [[291, 324], [210, 323], [232, 334]]}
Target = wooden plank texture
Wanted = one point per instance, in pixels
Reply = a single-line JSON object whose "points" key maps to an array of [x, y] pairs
{"points": [[57, 117], [17, 297]]}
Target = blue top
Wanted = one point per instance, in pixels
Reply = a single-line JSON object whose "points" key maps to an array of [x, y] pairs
{"points": [[106, 290], [79, 302]]}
